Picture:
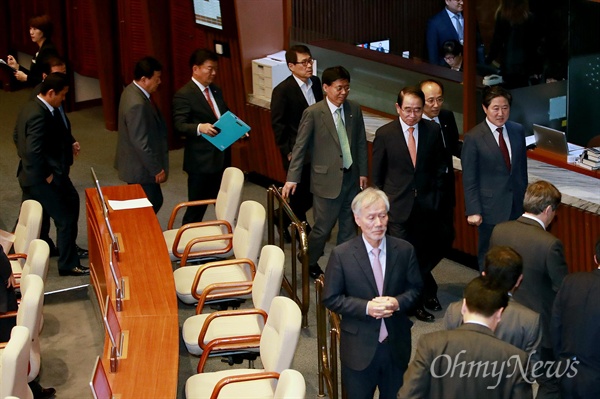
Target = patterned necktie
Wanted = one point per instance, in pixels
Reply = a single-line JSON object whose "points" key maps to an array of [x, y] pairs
{"points": [[378, 273], [459, 28], [343, 137], [207, 95], [412, 146], [503, 148]]}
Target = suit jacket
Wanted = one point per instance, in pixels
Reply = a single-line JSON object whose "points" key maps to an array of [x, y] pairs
{"points": [[453, 147], [42, 145], [287, 105], [520, 326], [34, 74], [190, 108], [439, 351], [350, 285], [544, 266], [317, 135], [394, 173], [490, 189], [576, 328], [142, 148]]}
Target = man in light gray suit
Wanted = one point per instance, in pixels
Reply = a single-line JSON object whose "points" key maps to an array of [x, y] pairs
{"points": [[142, 149], [469, 362], [520, 326], [544, 265], [333, 130], [494, 167]]}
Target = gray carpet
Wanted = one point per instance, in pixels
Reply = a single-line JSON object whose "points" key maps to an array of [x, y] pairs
{"points": [[73, 335]]}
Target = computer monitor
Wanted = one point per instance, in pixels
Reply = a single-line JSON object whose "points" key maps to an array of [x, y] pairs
{"points": [[99, 382], [113, 328]]}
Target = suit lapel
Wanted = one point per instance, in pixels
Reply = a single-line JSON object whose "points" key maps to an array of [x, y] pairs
{"points": [[301, 100], [391, 258], [490, 141], [402, 146], [348, 122], [328, 121], [515, 147], [364, 264]]}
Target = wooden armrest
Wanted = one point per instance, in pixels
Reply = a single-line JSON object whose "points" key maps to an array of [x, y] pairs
{"points": [[188, 226], [8, 315], [226, 313], [233, 289], [3, 345], [188, 254], [185, 204], [265, 375], [245, 342], [17, 256], [235, 284]]}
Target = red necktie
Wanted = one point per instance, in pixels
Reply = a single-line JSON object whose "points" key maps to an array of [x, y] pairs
{"points": [[503, 148], [207, 95]]}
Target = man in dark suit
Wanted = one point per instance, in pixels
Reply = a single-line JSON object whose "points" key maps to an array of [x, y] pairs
{"points": [[544, 265], [333, 130], [44, 147], [520, 326], [432, 110], [289, 100], [142, 149], [448, 24], [469, 362], [372, 281], [494, 166], [575, 331], [196, 107], [409, 164]]}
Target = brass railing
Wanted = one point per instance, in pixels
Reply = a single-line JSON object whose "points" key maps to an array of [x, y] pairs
{"points": [[328, 325], [297, 229]]}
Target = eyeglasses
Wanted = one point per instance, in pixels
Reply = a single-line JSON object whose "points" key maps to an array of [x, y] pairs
{"points": [[449, 58], [414, 111], [431, 101], [339, 89], [305, 62]]}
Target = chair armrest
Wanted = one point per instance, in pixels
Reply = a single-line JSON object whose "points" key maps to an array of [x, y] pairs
{"points": [[17, 256], [245, 342], [234, 289], [3, 345], [265, 375], [198, 254], [8, 315], [226, 313], [188, 226], [235, 284], [185, 204]]}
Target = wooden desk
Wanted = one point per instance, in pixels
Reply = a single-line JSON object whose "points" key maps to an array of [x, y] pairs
{"points": [[149, 315]]}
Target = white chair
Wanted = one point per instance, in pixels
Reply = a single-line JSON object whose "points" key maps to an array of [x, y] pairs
{"points": [[29, 315], [246, 242], [28, 228], [226, 204], [37, 260], [290, 385], [15, 359], [198, 330], [277, 347]]}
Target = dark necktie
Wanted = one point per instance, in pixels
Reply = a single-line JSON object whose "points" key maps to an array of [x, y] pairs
{"points": [[503, 148], [207, 95]]}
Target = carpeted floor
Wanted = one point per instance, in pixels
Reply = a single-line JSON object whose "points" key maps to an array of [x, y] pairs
{"points": [[73, 335]]}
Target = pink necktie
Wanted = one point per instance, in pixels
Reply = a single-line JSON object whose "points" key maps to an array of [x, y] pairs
{"points": [[378, 273], [207, 95], [503, 148], [412, 146]]}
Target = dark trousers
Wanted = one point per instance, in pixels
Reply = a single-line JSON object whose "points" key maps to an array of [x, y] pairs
{"points": [[154, 194], [61, 201], [302, 200], [485, 233], [382, 373], [201, 186], [45, 231]]}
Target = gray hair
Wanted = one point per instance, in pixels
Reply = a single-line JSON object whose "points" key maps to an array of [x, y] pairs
{"points": [[368, 197]]}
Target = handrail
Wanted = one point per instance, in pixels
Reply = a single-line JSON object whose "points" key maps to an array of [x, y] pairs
{"points": [[327, 322], [297, 228]]}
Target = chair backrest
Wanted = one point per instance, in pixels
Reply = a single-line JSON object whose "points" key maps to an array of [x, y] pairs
{"points": [[280, 335], [291, 385], [28, 226], [248, 233], [15, 359], [38, 258], [268, 278], [29, 315], [230, 195]]}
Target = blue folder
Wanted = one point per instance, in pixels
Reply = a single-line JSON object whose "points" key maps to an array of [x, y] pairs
{"points": [[231, 129]]}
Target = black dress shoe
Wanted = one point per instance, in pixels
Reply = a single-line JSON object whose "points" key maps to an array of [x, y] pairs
{"points": [[76, 271], [421, 314], [315, 271], [286, 233], [45, 393], [82, 253], [53, 252], [433, 304]]}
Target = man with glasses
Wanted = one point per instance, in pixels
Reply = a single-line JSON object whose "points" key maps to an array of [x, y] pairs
{"points": [[334, 131], [409, 164], [289, 100]]}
